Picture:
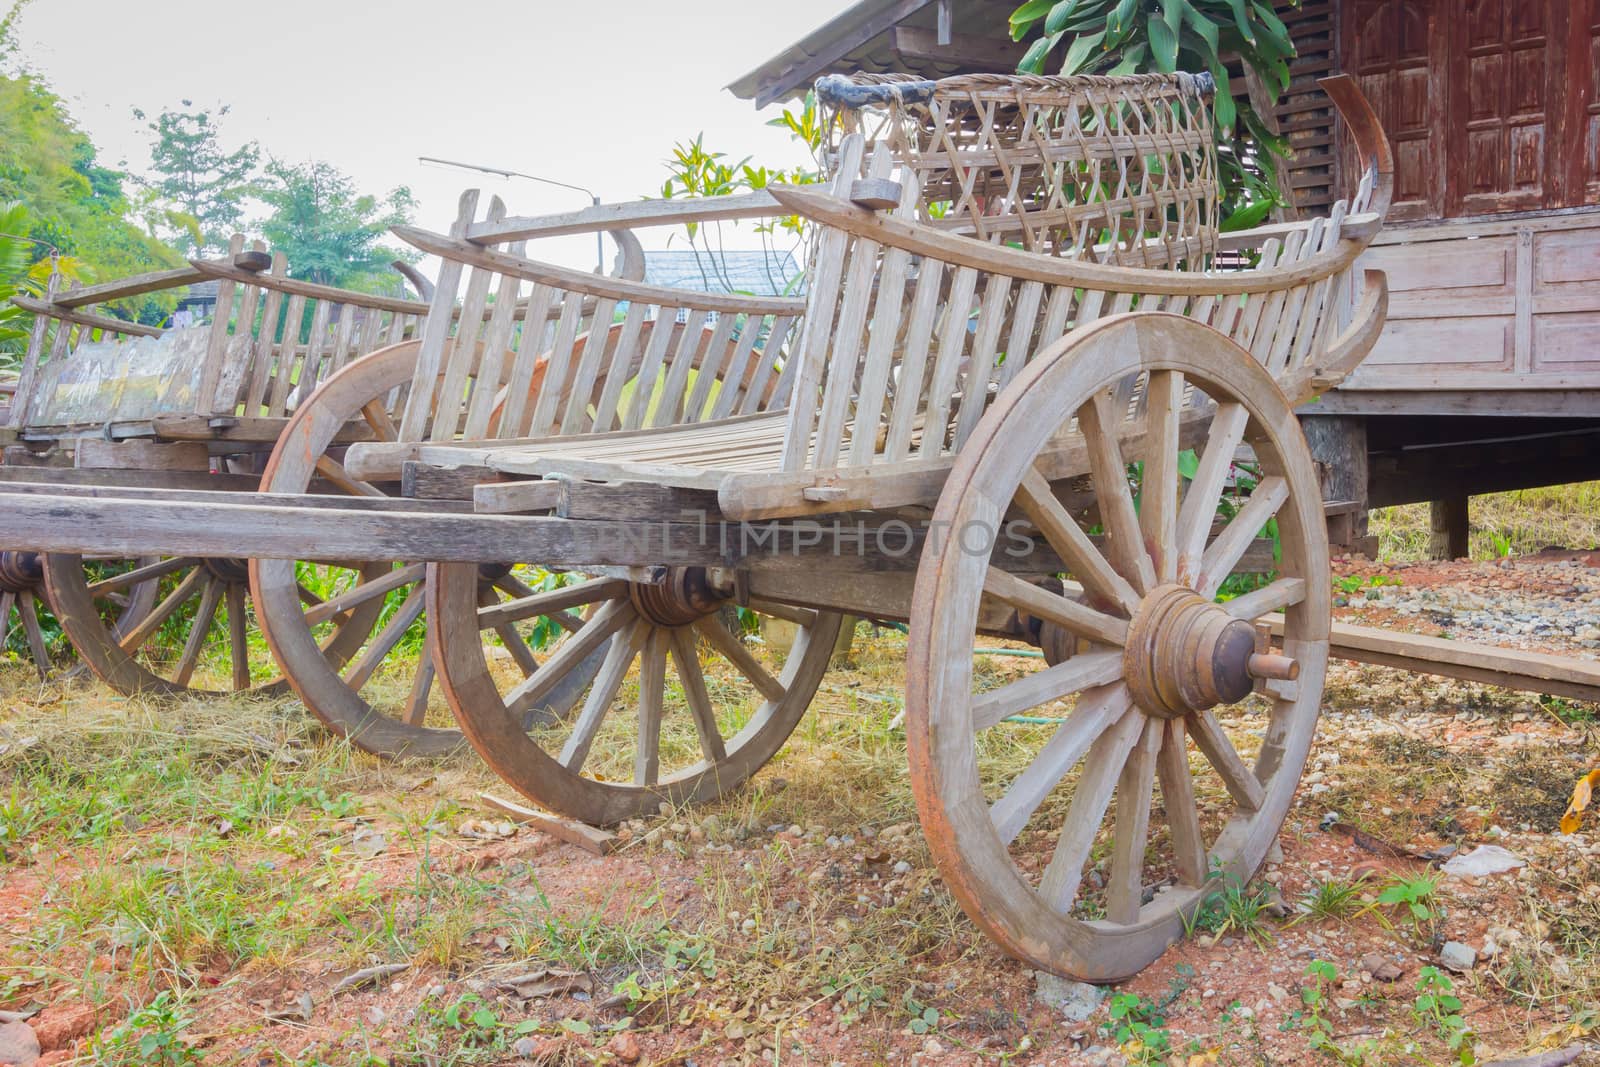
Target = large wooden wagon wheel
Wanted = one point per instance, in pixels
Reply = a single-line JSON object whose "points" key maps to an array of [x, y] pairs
{"points": [[381, 694], [1025, 842], [167, 625], [22, 599], [681, 735]]}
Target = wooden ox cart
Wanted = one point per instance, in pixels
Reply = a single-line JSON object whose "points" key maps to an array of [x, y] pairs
{"points": [[1020, 326], [103, 402]]}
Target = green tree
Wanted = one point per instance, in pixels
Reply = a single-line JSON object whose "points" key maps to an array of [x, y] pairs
{"points": [[1141, 36], [331, 233], [22, 273], [199, 189], [76, 206]]}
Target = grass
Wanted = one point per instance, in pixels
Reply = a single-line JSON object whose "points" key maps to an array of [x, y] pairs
{"points": [[1515, 523]]}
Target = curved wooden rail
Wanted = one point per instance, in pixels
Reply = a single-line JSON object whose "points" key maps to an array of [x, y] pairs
{"points": [[1372, 144], [577, 281]]}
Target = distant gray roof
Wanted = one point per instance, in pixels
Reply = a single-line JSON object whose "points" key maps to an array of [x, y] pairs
{"points": [[752, 272]]}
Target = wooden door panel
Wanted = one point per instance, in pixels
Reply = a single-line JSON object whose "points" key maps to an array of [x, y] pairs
{"points": [[1499, 90], [1387, 44]]}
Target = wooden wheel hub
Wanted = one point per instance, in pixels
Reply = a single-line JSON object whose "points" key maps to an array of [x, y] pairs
{"points": [[1185, 654], [686, 595], [20, 572], [229, 570]]}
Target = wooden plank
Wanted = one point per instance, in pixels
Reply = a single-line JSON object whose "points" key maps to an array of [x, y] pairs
{"points": [[1535, 672], [589, 838], [212, 268], [133, 285], [420, 481], [84, 318]]}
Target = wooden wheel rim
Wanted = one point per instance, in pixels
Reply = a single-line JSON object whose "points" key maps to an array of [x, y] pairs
{"points": [[310, 669], [98, 645], [971, 855], [498, 735]]}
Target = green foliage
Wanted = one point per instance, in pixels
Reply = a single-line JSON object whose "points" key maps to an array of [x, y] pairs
{"points": [[695, 171], [1314, 995], [76, 207], [332, 234], [1438, 1008], [199, 190], [21, 273], [924, 1017], [1235, 909], [1334, 898], [1412, 897], [1141, 36], [1139, 1029], [152, 1035]]}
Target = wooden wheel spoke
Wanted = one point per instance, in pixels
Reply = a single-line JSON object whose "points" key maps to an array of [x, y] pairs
{"points": [[743, 660], [1177, 796], [363, 592], [416, 709], [1125, 542], [6, 600], [1084, 621], [238, 638], [601, 695], [1205, 491], [149, 572], [787, 612], [199, 630], [1158, 504], [1225, 552], [1041, 687], [550, 602], [163, 611], [532, 690], [1240, 780], [28, 611], [334, 471], [1135, 789], [377, 416], [1274, 596], [1096, 711], [371, 658], [1084, 561], [687, 660], [1101, 769], [652, 684]]}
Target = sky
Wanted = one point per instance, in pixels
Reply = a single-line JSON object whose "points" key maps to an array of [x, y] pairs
{"points": [[588, 93]]}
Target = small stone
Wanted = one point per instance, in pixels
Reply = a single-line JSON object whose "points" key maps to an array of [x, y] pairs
{"points": [[902, 867], [525, 1047], [1457, 957], [748, 926], [19, 1045], [624, 1047], [1275, 852], [1381, 967], [1278, 994], [1076, 1001], [376, 1016], [932, 1047]]}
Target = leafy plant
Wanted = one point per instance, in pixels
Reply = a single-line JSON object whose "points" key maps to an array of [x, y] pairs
{"points": [[1138, 1028], [1314, 997], [152, 1035], [1413, 896], [924, 1017], [1139, 36], [1438, 1008]]}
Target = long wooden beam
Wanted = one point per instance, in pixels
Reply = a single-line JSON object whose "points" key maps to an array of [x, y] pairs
{"points": [[1510, 668]]}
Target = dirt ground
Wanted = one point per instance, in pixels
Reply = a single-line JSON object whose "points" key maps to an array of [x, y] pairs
{"points": [[216, 881]]}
